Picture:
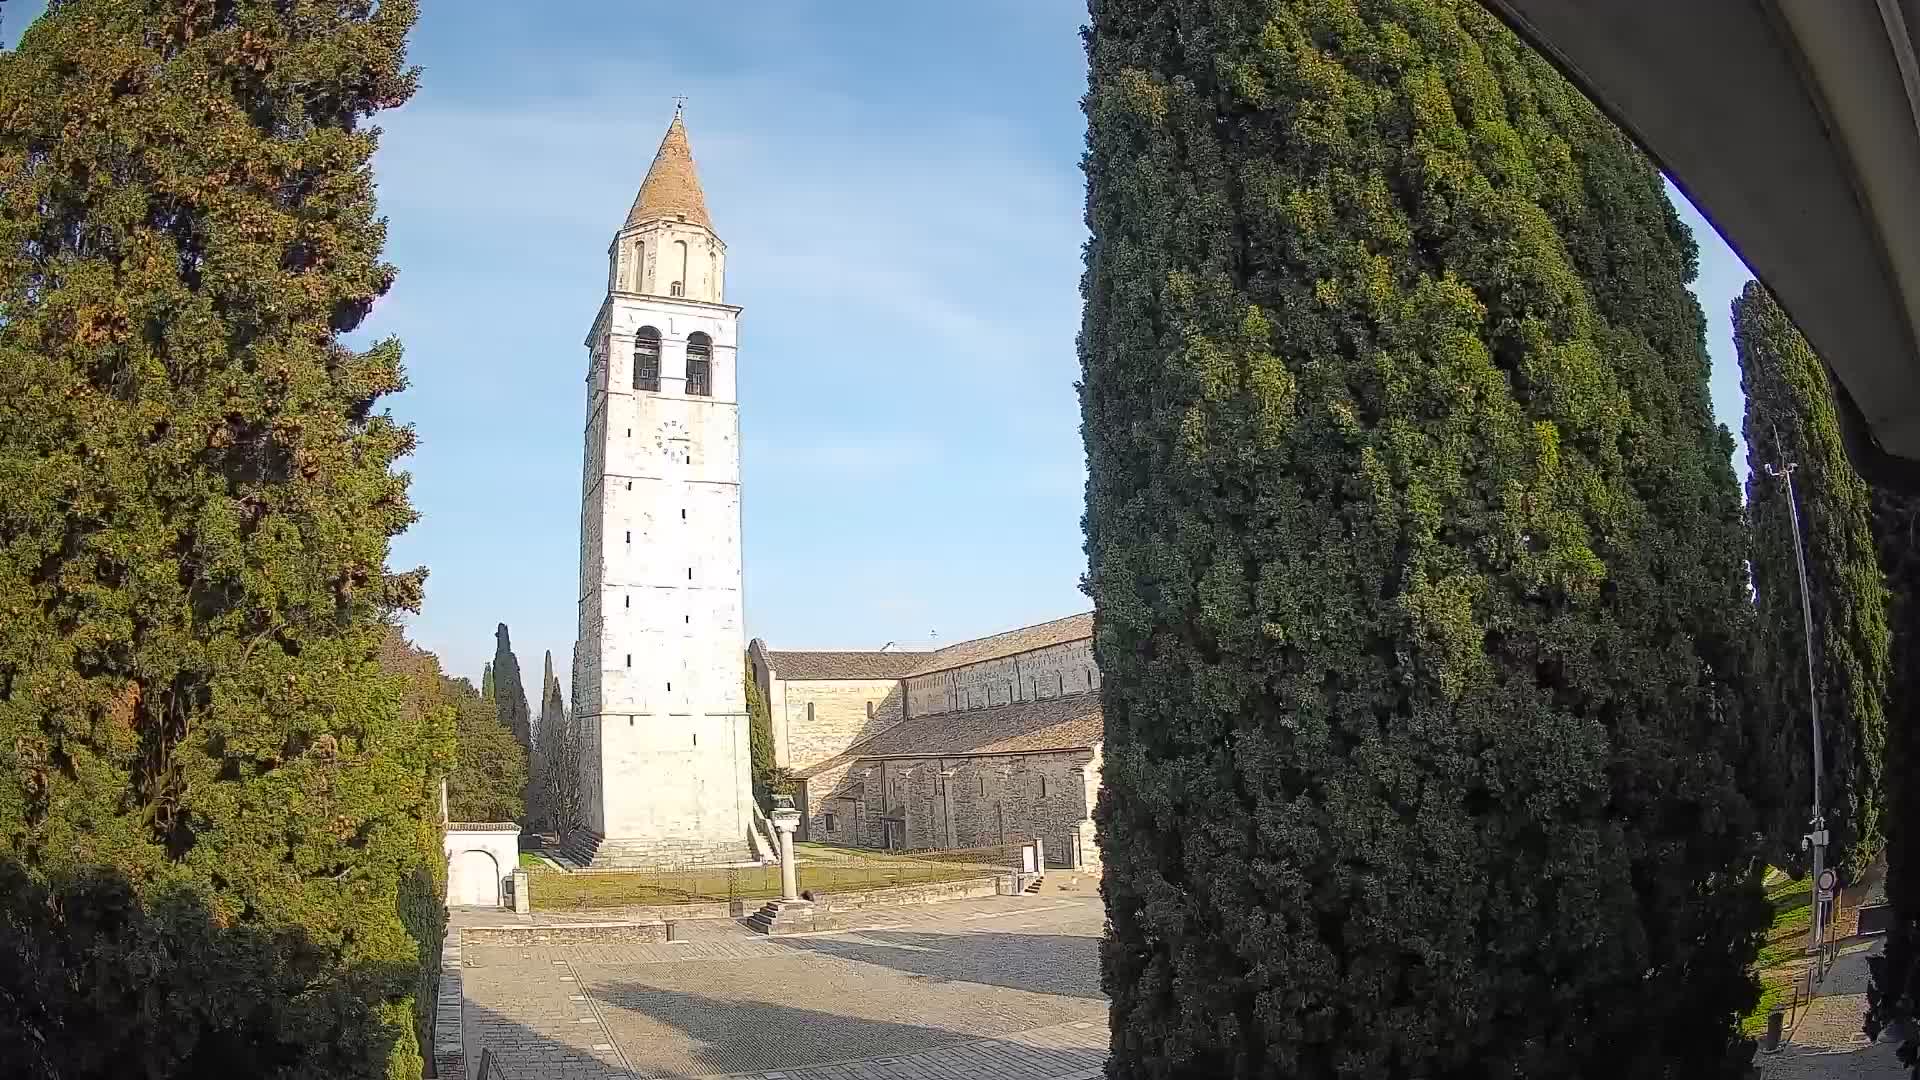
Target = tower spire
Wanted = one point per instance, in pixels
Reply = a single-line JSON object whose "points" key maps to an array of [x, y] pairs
{"points": [[672, 187]]}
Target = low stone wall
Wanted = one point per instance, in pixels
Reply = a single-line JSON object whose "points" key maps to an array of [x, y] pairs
{"points": [[449, 1049], [903, 895], [621, 933]]}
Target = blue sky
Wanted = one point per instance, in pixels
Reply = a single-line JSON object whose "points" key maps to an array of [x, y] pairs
{"points": [[899, 189]]}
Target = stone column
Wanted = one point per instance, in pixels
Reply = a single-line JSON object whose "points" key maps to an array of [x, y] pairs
{"points": [[785, 820]]}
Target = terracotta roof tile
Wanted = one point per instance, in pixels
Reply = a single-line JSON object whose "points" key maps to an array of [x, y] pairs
{"points": [[1025, 639], [672, 188], [805, 666], [1063, 723]]}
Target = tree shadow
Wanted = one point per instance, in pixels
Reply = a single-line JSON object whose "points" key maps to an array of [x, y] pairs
{"points": [[676, 1033], [1063, 965], [99, 980]]}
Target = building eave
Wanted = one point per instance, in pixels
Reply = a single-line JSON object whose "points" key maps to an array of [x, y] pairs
{"points": [[1794, 126]]}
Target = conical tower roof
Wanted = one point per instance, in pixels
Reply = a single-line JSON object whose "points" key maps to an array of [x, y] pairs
{"points": [[672, 188]]}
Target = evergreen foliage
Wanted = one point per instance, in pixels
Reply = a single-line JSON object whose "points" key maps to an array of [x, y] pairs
{"points": [[199, 753], [554, 801], [1790, 418], [1894, 996], [486, 682], [760, 741], [105, 980], [509, 694], [1416, 559]]}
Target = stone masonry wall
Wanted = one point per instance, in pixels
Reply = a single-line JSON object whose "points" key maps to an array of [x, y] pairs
{"points": [[960, 802], [1029, 676], [844, 712]]}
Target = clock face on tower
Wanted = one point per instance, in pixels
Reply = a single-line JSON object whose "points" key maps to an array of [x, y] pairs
{"points": [[671, 440]]}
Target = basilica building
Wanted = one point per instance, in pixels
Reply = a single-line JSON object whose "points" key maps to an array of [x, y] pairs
{"points": [[985, 742]]}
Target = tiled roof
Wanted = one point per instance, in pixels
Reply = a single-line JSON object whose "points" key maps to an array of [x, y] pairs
{"points": [[803, 666], [1025, 639], [671, 189], [1062, 723]]}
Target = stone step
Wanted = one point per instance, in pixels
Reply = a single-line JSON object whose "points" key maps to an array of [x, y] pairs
{"points": [[783, 917]]}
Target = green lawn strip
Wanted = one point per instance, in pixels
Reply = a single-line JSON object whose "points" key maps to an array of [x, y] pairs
{"points": [[557, 891], [531, 861], [1783, 949]]}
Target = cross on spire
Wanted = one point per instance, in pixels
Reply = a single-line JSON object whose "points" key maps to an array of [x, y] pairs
{"points": [[679, 104]]}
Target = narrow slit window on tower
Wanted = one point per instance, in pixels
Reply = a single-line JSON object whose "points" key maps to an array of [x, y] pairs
{"points": [[683, 513], [689, 573], [869, 710], [1043, 787], [627, 601], [669, 688], [699, 364], [646, 359], [983, 785], [629, 659], [629, 536], [809, 712], [629, 485]]}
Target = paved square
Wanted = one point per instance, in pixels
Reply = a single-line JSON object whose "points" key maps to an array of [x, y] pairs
{"points": [[1007, 987]]}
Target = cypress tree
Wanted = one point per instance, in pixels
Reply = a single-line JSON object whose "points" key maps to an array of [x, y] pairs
{"points": [[759, 741], [1790, 418], [508, 693], [1423, 755], [1894, 995], [552, 780], [199, 495], [486, 682], [489, 777]]}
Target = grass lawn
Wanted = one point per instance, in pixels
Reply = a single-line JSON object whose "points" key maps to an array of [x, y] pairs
{"points": [[530, 861], [559, 891], [1783, 949]]}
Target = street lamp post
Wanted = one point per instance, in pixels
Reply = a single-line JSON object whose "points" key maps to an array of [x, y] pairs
{"points": [[1816, 840]]}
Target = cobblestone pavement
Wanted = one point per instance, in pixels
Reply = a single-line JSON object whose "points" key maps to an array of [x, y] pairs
{"points": [[981, 989], [1826, 1043]]}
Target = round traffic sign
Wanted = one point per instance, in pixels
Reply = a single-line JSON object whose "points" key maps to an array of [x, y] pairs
{"points": [[1828, 879]]}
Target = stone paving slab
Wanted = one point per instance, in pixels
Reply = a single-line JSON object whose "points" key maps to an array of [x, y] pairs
{"points": [[993, 989]]}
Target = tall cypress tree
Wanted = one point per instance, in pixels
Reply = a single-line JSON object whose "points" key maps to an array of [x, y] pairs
{"points": [[759, 741], [1423, 756], [199, 495], [508, 693], [556, 774], [1895, 988], [1790, 419], [486, 682]]}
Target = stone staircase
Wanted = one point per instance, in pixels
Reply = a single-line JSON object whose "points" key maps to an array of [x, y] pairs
{"points": [[784, 917]]}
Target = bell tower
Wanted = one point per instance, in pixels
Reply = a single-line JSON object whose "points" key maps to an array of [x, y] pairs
{"points": [[658, 691]]}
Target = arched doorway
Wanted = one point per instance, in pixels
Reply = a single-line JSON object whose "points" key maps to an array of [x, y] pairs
{"points": [[473, 880]]}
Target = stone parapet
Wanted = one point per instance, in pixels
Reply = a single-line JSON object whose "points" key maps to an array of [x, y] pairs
{"points": [[620, 933], [449, 1046]]}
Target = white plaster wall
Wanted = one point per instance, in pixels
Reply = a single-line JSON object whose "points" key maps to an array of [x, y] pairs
{"points": [[1030, 676], [501, 844]]}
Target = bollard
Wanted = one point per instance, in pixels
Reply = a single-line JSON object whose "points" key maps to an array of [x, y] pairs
{"points": [[1775, 1020]]}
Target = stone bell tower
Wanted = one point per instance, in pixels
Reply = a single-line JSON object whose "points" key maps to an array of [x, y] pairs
{"points": [[658, 692]]}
